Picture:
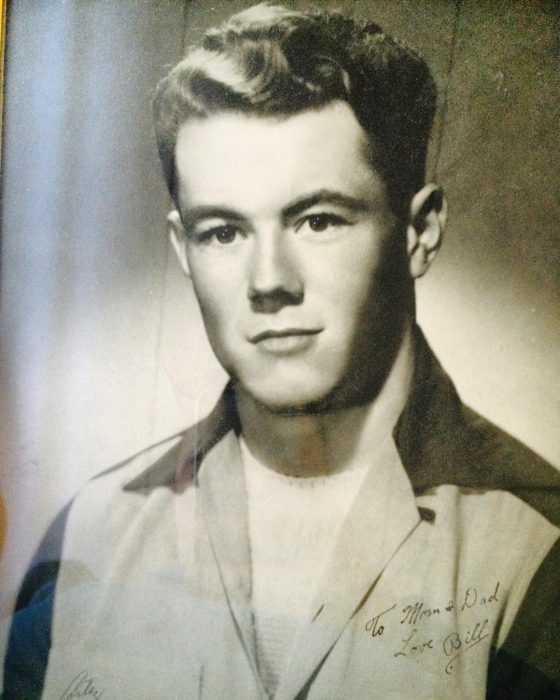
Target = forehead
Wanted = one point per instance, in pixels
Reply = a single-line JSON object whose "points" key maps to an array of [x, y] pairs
{"points": [[245, 160]]}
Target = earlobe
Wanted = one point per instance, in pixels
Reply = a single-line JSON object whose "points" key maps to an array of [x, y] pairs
{"points": [[176, 234], [428, 216]]}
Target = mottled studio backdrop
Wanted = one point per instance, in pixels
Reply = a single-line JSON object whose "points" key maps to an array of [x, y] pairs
{"points": [[102, 349]]}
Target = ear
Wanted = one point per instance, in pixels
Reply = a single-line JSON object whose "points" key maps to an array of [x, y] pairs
{"points": [[428, 216], [178, 239]]}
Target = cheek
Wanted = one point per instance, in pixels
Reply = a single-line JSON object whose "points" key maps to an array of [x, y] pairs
{"points": [[346, 276], [213, 303], [215, 288]]}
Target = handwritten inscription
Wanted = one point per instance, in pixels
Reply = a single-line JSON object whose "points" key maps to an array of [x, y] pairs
{"points": [[374, 626], [415, 612], [412, 645], [457, 643], [82, 686], [450, 644]]}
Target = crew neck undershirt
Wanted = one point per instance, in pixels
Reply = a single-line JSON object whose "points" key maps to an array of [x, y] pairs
{"points": [[293, 524]]}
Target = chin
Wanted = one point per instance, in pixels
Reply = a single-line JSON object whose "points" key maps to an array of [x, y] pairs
{"points": [[293, 400]]}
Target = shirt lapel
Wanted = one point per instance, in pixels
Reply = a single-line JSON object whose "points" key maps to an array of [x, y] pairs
{"points": [[382, 517], [223, 499]]}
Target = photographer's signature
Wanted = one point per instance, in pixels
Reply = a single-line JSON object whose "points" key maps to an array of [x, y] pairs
{"points": [[82, 686]]}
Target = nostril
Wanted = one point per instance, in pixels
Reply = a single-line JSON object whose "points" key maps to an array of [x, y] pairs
{"points": [[274, 299]]}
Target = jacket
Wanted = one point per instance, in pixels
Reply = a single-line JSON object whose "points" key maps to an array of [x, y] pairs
{"points": [[443, 582]]}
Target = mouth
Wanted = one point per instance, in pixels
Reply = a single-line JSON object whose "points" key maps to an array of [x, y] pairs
{"points": [[286, 341], [284, 333]]}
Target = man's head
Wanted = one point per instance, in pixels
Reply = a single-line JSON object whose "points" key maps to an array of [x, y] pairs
{"points": [[302, 230], [270, 61]]}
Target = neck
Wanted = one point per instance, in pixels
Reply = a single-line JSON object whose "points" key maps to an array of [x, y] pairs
{"points": [[320, 444]]}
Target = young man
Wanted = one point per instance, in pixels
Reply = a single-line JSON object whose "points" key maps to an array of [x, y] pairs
{"points": [[341, 526]]}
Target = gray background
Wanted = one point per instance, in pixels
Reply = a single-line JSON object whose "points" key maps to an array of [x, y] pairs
{"points": [[102, 349]]}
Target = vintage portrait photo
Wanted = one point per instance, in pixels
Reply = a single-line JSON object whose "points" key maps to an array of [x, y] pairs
{"points": [[280, 368]]}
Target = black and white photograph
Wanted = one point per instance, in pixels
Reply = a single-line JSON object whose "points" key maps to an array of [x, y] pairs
{"points": [[279, 352]]}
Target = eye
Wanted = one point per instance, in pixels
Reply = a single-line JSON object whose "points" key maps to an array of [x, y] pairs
{"points": [[321, 222], [224, 234]]}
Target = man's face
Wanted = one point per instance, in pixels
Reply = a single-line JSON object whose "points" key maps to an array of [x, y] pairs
{"points": [[294, 255]]}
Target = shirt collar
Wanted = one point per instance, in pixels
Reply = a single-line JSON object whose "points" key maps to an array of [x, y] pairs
{"points": [[430, 435]]}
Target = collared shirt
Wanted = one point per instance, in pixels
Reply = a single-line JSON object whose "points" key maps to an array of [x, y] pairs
{"points": [[442, 582]]}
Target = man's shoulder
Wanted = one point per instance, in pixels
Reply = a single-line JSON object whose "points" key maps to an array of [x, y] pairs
{"points": [[501, 449], [160, 458], [442, 441], [526, 662], [493, 487], [173, 460], [498, 461]]}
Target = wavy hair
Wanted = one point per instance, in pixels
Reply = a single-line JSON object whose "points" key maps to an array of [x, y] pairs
{"points": [[269, 60]]}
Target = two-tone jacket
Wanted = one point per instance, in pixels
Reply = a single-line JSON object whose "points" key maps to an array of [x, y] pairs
{"points": [[442, 583]]}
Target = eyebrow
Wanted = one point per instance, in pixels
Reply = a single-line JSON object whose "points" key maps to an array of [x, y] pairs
{"points": [[325, 197], [192, 215]]}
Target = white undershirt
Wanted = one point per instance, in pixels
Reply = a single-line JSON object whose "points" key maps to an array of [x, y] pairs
{"points": [[293, 523]]}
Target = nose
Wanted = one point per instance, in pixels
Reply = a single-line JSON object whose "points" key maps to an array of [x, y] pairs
{"points": [[274, 278]]}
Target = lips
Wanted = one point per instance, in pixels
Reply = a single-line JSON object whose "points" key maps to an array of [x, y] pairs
{"points": [[284, 333], [287, 341]]}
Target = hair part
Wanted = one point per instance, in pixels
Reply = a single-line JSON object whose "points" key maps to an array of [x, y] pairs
{"points": [[269, 60]]}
